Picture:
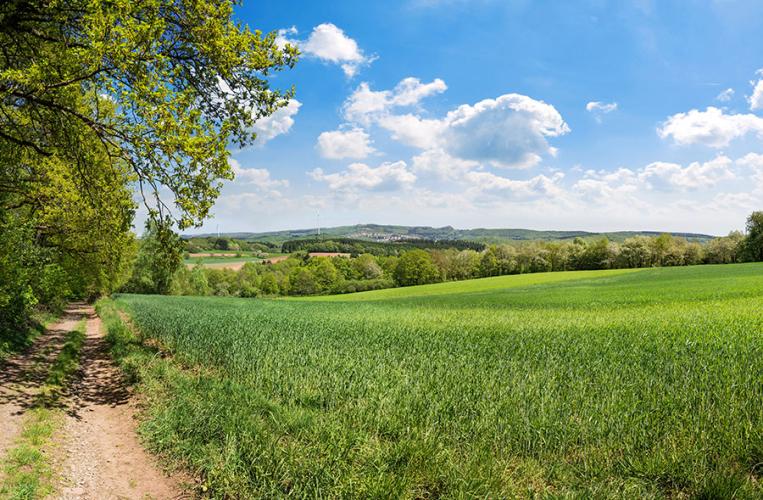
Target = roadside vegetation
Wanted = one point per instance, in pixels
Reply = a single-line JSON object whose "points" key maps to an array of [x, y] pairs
{"points": [[399, 265], [102, 100], [28, 468], [608, 384]]}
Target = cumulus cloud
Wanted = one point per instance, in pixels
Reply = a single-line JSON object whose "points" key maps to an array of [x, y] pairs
{"points": [[338, 144], [508, 131], [598, 109], [329, 43], [656, 176], [365, 105], [753, 162], [276, 124], [711, 127], [725, 95], [361, 177], [756, 99], [414, 131], [540, 186], [259, 177], [667, 176], [440, 165]]}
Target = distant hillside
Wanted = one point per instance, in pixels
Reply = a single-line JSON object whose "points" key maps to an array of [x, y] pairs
{"points": [[378, 232]]}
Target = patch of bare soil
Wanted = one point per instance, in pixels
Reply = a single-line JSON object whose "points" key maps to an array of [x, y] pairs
{"points": [[22, 376], [103, 458]]}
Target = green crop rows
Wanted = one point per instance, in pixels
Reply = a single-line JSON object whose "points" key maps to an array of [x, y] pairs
{"points": [[608, 384]]}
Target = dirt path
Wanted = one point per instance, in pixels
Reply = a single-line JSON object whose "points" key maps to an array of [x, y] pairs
{"points": [[103, 458], [22, 376], [99, 456]]}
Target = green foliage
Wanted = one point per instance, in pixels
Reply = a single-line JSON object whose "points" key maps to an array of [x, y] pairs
{"points": [[369, 272], [356, 246], [159, 258], [101, 98], [590, 384], [753, 245], [162, 87], [416, 267]]}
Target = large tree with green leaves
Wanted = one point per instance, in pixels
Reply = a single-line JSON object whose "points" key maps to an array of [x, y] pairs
{"points": [[753, 243], [163, 86], [100, 98]]}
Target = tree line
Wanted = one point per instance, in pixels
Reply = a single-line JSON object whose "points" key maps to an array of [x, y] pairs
{"points": [[357, 247], [102, 101], [301, 274]]}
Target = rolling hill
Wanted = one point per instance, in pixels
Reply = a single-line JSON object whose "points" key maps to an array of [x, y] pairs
{"points": [[381, 232]]}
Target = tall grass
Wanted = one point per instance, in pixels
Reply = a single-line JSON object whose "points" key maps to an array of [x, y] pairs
{"points": [[643, 384]]}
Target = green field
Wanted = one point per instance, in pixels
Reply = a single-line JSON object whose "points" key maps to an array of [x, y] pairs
{"points": [[601, 384], [236, 258]]}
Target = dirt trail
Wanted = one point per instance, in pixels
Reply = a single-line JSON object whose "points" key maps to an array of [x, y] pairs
{"points": [[100, 456], [103, 458], [22, 377]]}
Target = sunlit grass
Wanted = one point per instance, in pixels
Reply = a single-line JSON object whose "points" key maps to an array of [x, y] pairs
{"points": [[605, 384], [28, 466]]}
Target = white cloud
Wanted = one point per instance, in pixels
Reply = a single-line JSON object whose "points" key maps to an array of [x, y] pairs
{"points": [[276, 124], [725, 96], [259, 177], [667, 176], [539, 186], [508, 131], [598, 108], [656, 176], [414, 131], [329, 43], [756, 99], [441, 165], [338, 144], [364, 105], [361, 177], [711, 127], [754, 163]]}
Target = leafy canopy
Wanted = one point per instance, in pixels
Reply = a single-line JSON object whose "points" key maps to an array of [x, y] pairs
{"points": [[161, 86]]}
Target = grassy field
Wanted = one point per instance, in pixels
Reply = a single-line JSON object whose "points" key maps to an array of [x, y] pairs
{"points": [[219, 256], [591, 384]]}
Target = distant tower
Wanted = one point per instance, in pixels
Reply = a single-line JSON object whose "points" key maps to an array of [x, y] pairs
{"points": [[319, 222]]}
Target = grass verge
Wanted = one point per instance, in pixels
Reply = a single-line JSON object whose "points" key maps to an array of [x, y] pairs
{"points": [[636, 385], [15, 341], [27, 468]]}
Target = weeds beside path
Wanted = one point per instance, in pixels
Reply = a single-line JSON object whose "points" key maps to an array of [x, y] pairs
{"points": [[66, 422]]}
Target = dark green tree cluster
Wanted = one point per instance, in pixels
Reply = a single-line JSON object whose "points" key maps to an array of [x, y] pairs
{"points": [[303, 275], [102, 99], [357, 247]]}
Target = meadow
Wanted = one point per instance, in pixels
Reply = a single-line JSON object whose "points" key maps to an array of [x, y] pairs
{"points": [[645, 383]]}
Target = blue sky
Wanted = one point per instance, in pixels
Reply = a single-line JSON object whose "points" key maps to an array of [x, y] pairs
{"points": [[595, 115]]}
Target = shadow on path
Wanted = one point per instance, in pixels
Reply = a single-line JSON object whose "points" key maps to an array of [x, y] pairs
{"points": [[23, 376]]}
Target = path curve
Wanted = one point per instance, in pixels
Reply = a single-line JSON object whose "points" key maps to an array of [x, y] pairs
{"points": [[22, 376], [103, 457]]}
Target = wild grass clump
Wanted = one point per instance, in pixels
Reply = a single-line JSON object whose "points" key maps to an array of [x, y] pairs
{"points": [[641, 384]]}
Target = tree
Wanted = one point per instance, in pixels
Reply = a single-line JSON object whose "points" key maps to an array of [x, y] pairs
{"points": [[489, 263], [303, 282], [753, 243], [162, 87], [726, 249], [324, 272], [635, 252], [99, 97], [269, 284], [415, 267], [159, 258], [366, 267]]}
